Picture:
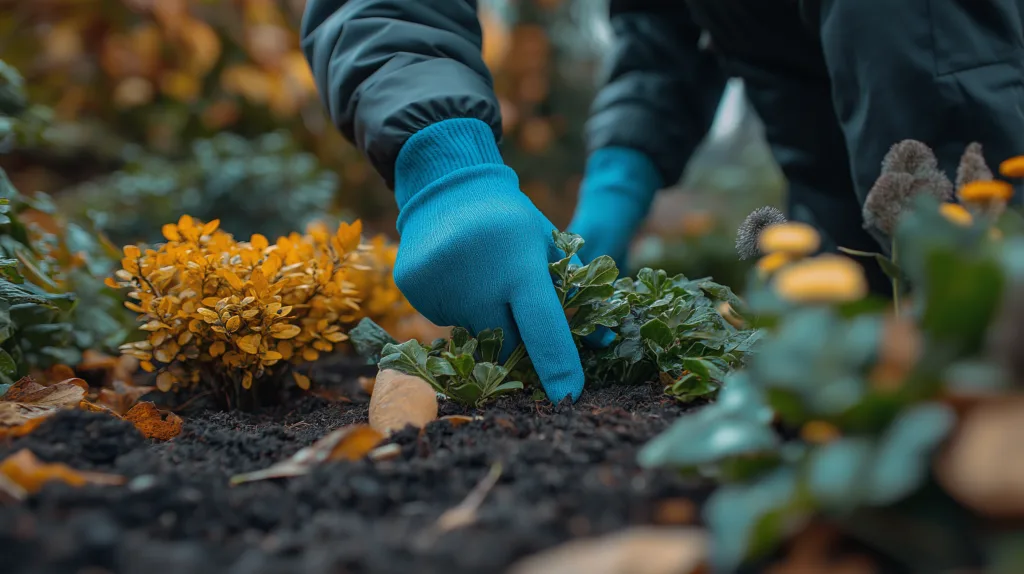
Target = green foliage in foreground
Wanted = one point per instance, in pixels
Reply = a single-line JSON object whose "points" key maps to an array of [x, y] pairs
{"points": [[664, 328], [824, 367]]}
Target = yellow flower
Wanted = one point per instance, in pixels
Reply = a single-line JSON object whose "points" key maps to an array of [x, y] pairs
{"points": [[956, 213], [773, 262], [984, 192], [827, 278], [1013, 167], [792, 238]]}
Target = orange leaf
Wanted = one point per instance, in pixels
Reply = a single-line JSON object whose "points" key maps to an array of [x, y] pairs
{"points": [[459, 420], [62, 373], [347, 443], [28, 472], [151, 423]]}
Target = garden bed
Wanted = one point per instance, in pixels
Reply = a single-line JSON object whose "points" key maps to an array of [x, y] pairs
{"points": [[567, 472]]}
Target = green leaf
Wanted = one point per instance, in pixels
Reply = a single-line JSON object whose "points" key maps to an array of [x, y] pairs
{"points": [[490, 342], [442, 367], [7, 365], [587, 295], [369, 339], [587, 319], [409, 358], [600, 271], [748, 519], [835, 474], [691, 386], [462, 365], [488, 376], [904, 452], [656, 331], [568, 243], [888, 267], [962, 295], [508, 387]]}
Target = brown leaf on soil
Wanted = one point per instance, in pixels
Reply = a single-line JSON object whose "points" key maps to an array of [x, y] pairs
{"points": [[28, 472], [675, 511], [813, 550], [97, 361], [95, 408], [399, 400], [459, 420], [983, 464], [350, 442], [27, 403], [62, 394], [638, 550], [122, 396], [152, 423], [61, 373]]}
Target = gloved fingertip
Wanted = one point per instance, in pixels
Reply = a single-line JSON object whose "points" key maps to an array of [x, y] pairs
{"points": [[557, 393], [599, 339]]}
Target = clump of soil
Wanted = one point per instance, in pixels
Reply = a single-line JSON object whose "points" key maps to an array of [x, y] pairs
{"points": [[568, 471]]}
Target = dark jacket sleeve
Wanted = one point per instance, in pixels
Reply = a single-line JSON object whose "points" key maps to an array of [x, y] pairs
{"points": [[661, 89], [388, 68]]}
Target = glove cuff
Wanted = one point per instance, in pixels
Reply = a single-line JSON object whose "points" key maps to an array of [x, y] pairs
{"points": [[440, 149], [620, 179]]}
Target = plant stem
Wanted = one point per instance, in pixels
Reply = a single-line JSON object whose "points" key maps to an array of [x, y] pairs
{"points": [[516, 356], [895, 281]]}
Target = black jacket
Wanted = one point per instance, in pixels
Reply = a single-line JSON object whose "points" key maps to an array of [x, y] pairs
{"points": [[388, 68]]}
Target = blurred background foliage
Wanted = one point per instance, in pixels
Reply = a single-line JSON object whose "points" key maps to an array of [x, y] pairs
{"points": [[154, 108]]}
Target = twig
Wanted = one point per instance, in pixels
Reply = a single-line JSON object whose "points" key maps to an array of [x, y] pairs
{"points": [[464, 513]]}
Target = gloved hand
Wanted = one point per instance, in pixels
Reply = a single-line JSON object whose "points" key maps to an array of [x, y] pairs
{"points": [[618, 187], [475, 250]]}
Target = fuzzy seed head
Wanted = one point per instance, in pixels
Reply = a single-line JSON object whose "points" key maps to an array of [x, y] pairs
{"points": [[895, 191], [750, 230], [972, 167], [910, 156]]}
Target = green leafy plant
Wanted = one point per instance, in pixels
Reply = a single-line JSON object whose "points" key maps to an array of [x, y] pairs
{"points": [[265, 185], [840, 412], [665, 328]]}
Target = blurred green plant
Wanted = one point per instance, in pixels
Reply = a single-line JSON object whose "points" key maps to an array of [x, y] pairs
{"points": [[53, 303], [265, 185], [841, 411]]}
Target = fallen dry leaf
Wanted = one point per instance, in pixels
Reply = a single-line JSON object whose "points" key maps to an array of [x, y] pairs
{"points": [[152, 423], [675, 511], [26, 403], [814, 549], [28, 472], [399, 400], [122, 396], [60, 373], [350, 442], [638, 550], [983, 464], [386, 452], [97, 361], [459, 420], [62, 394]]}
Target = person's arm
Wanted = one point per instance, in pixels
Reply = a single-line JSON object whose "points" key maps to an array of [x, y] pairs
{"points": [[405, 81], [386, 69], [658, 100]]}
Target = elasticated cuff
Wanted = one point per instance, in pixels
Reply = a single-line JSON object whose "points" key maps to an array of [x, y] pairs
{"points": [[439, 150]]}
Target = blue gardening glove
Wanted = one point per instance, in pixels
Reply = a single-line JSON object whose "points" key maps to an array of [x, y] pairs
{"points": [[475, 250], [618, 187]]}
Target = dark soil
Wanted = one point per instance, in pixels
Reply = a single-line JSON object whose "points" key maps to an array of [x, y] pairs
{"points": [[568, 471]]}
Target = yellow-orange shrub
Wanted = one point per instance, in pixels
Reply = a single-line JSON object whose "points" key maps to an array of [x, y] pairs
{"points": [[374, 281], [234, 310]]}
